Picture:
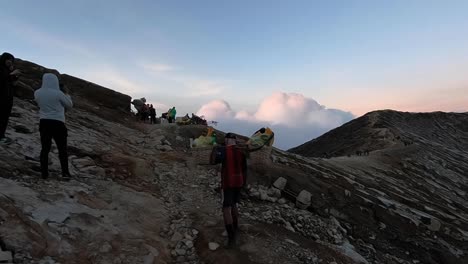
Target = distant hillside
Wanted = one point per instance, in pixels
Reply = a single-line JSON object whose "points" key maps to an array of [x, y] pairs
{"points": [[89, 96], [383, 129]]}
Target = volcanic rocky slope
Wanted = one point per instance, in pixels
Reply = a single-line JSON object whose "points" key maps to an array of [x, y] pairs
{"points": [[139, 194]]}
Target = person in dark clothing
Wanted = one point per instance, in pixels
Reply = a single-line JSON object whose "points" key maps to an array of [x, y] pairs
{"points": [[144, 113], [52, 103], [8, 75], [233, 178], [152, 112]]}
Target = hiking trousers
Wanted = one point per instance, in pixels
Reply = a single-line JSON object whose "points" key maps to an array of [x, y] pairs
{"points": [[5, 112], [56, 130]]}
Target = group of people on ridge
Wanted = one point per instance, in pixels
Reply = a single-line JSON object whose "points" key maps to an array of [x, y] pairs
{"points": [[147, 113]]}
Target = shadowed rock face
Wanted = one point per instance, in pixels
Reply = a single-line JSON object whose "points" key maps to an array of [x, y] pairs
{"points": [[84, 93], [408, 195], [383, 129]]}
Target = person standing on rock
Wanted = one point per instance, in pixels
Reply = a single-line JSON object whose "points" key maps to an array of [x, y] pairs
{"points": [[233, 178], [52, 103], [152, 114], [8, 75]]}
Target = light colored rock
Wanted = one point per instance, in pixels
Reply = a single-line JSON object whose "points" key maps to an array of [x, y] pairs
{"points": [[5, 256], [274, 192], [350, 251], [282, 201], [303, 200], [291, 242], [181, 252], [83, 162], [176, 237], [94, 170], [289, 227], [213, 246], [280, 183], [434, 225], [164, 147], [189, 244], [105, 248], [210, 224]]}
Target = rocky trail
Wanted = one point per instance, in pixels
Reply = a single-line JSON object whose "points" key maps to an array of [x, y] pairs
{"points": [[135, 197], [140, 195]]}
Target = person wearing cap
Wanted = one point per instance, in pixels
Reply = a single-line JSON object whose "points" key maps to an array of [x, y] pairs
{"points": [[52, 103], [233, 178], [8, 75]]}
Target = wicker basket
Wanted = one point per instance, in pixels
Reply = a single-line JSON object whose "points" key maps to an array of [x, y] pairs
{"points": [[201, 155], [261, 157]]}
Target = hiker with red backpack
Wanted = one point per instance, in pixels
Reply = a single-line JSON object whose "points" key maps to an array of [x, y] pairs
{"points": [[233, 178]]}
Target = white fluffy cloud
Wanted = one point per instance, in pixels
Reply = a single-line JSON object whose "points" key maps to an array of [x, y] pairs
{"points": [[293, 117]]}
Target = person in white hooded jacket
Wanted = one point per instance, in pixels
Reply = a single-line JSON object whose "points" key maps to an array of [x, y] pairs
{"points": [[52, 103]]}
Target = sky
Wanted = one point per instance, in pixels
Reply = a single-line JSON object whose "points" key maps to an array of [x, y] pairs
{"points": [[253, 63]]}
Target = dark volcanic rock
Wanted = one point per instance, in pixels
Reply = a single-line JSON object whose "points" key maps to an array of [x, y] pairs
{"points": [[85, 94]]}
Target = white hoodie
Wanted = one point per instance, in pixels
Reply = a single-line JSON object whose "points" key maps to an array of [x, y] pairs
{"points": [[52, 102]]}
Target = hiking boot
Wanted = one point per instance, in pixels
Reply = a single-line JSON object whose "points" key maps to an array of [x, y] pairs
{"points": [[230, 244], [66, 176]]}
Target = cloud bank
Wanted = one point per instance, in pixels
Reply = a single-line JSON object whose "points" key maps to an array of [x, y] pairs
{"points": [[293, 117]]}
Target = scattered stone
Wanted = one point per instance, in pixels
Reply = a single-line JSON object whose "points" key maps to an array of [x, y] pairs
{"points": [[189, 244], [289, 227], [22, 129], [164, 147], [274, 192], [5, 256], [291, 242], [210, 224], [181, 252], [176, 237], [434, 225], [213, 246], [83, 162], [282, 201], [280, 183], [105, 248], [303, 200]]}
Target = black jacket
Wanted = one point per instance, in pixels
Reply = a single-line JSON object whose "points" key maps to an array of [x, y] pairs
{"points": [[6, 80]]}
